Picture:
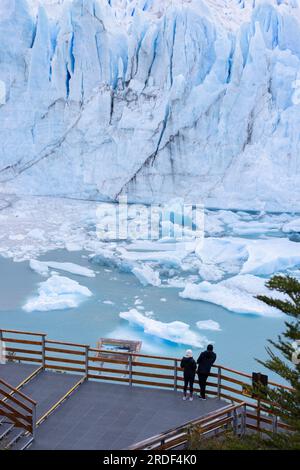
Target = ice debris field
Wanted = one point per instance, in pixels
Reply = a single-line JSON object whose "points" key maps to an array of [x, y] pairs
{"points": [[224, 267]]}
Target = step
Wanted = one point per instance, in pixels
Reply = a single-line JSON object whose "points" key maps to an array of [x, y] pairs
{"points": [[5, 429], [13, 436], [22, 443]]}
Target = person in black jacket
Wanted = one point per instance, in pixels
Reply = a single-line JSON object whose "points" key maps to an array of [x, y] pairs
{"points": [[205, 361], [188, 364]]}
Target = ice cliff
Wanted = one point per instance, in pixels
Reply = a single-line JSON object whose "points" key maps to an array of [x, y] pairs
{"points": [[197, 98]]}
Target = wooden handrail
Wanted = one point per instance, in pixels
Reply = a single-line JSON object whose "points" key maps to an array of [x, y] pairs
{"points": [[18, 392], [103, 351], [30, 333], [64, 351], [209, 421], [15, 400], [13, 408], [77, 345], [22, 341], [138, 368], [108, 351]]}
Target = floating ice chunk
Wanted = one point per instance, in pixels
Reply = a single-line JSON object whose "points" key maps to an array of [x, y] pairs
{"points": [[163, 299], [39, 267], [72, 246], [269, 256], [108, 302], [111, 259], [57, 293], [208, 325], [293, 226], [236, 294], [209, 272], [72, 268], [219, 257], [176, 331], [254, 228], [220, 251], [146, 275], [213, 226]]}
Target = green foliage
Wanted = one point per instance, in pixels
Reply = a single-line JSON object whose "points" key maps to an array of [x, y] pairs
{"points": [[286, 402], [286, 364], [228, 441]]}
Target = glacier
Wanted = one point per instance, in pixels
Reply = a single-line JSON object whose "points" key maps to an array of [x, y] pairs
{"points": [[151, 98]]}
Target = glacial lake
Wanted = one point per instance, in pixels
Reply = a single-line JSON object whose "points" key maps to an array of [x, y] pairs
{"points": [[242, 337]]}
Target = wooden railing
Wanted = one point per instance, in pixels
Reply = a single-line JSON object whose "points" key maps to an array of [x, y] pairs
{"points": [[17, 407], [215, 423], [139, 370]]}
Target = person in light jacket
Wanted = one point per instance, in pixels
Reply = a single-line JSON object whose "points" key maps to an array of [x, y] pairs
{"points": [[188, 364], [205, 361]]}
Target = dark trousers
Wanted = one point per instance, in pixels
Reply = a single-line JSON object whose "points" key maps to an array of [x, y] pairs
{"points": [[188, 382], [202, 383]]}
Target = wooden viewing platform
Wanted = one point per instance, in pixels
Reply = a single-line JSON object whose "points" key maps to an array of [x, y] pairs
{"points": [[55, 395]]}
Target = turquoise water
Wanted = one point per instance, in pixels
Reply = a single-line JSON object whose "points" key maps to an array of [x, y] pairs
{"points": [[243, 337]]}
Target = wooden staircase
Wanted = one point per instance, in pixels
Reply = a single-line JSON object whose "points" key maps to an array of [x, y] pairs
{"points": [[12, 437], [17, 418]]}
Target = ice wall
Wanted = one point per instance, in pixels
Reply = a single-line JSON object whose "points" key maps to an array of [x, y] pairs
{"points": [[198, 98]]}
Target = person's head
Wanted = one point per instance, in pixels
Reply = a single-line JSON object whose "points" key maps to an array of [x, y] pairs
{"points": [[210, 347], [188, 353]]}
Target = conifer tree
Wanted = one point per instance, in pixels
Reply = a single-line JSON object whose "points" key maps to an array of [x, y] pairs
{"points": [[287, 363]]}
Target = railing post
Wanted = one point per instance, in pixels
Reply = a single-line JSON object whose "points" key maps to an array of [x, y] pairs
{"points": [[33, 421], [175, 375], [130, 369], [234, 422], [275, 423], [87, 349], [219, 382], [43, 351], [243, 420], [258, 415]]}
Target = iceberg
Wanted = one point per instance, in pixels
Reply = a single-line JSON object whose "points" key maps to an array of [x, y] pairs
{"points": [[236, 294], [57, 293], [39, 267], [292, 226], [208, 325], [220, 256], [270, 256], [146, 275], [42, 267], [176, 331]]}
